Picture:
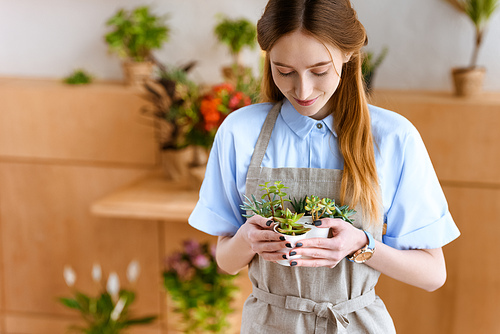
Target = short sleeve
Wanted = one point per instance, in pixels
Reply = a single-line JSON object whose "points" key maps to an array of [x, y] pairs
{"points": [[418, 217], [217, 211]]}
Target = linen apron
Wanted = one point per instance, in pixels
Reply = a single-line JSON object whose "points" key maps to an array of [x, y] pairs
{"points": [[309, 300]]}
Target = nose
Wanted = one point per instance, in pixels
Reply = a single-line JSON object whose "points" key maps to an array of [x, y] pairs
{"points": [[303, 88]]}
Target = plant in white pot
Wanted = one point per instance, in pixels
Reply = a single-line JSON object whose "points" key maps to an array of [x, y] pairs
{"points": [[135, 34], [299, 224], [468, 80]]}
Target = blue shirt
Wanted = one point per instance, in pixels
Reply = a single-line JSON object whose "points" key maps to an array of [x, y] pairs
{"points": [[415, 208]]}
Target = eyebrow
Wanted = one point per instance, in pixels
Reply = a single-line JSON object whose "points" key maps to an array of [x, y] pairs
{"points": [[323, 63]]}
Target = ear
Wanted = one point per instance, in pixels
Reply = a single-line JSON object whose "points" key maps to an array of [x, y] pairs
{"points": [[347, 56]]}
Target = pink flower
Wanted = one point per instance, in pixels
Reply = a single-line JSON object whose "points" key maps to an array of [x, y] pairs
{"points": [[201, 261], [192, 247]]}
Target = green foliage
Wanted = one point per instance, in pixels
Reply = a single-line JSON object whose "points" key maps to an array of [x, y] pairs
{"points": [[201, 292], [236, 34], [102, 315], [479, 12], [272, 205], [78, 77], [326, 208], [136, 33], [174, 100], [370, 63]]}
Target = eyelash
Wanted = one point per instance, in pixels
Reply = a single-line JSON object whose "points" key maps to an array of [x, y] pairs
{"points": [[290, 73]]}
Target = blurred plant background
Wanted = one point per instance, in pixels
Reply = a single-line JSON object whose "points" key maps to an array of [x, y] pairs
{"points": [[201, 292], [106, 312]]}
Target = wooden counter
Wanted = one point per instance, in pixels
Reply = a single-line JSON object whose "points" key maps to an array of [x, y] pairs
{"points": [[152, 197]]}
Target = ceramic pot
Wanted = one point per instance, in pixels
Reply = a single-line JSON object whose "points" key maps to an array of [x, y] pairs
{"points": [[315, 232], [468, 81]]}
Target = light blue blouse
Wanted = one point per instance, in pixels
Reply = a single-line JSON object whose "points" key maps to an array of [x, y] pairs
{"points": [[415, 208]]}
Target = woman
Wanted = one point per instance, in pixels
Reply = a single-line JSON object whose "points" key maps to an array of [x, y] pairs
{"points": [[318, 135]]}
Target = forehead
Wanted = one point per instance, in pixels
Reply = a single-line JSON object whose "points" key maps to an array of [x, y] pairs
{"points": [[300, 49]]}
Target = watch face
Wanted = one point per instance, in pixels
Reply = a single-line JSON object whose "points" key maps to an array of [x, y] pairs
{"points": [[364, 256]]}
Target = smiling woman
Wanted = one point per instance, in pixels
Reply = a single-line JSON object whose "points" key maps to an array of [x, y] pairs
{"points": [[317, 134], [305, 70]]}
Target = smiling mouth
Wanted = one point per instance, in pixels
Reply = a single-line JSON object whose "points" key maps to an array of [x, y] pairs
{"points": [[306, 103]]}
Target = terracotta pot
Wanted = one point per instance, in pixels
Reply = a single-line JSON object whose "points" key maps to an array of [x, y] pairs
{"points": [[137, 73], [315, 232], [468, 81]]}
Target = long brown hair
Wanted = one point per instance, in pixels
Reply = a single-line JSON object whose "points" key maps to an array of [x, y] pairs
{"points": [[334, 22]]}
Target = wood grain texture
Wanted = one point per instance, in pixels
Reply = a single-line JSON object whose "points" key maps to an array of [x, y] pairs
{"points": [[461, 135], [46, 224], [101, 122]]}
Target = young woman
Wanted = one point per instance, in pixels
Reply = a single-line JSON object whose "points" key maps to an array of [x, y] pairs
{"points": [[318, 135]]}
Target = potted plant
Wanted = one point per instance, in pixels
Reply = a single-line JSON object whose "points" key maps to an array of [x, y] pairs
{"points": [[200, 291], [468, 81], [135, 34], [369, 65], [298, 224], [174, 104], [236, 34], [107, 311]]}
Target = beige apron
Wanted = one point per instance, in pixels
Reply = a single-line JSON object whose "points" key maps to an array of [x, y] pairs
{"points": [[309, 300]]}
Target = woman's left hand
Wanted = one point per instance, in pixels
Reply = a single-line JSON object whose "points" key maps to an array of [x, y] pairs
{"points": [[328, 252]]}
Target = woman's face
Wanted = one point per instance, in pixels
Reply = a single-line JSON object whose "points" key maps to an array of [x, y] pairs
{"points": [[307, 72]]}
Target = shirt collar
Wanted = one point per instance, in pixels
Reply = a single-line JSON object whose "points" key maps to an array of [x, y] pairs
{"points": [[300, 124]]}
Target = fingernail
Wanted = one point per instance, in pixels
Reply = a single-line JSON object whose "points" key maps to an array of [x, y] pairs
{"points": [[288, 245], [292, 253], [282, 238], [284, 256], [299, 244], [293, 263], [317, 222], [269, 222]]}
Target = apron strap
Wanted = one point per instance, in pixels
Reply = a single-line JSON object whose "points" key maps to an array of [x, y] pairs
{"points": [[265, 135], [325, 311]]}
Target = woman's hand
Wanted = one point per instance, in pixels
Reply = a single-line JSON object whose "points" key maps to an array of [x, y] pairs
{"points": [[256, 236], [258, 233], [328, 252]]}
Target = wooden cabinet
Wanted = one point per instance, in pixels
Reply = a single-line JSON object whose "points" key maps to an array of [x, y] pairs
{"points": [[463, 139], [77, 186]]}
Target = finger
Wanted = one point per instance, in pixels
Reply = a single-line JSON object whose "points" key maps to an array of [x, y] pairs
{"points": [[265, 223], [265, 235], [274, 256], [317, 253], [313, 263]]}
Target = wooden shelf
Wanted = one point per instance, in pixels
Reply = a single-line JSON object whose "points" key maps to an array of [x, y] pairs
{"points": [[151, 198]]}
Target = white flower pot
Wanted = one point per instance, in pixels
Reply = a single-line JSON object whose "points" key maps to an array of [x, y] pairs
{"points": [[315, 232]]}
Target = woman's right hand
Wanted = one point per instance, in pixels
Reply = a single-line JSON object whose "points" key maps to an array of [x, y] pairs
{"points": [[259, 234]]}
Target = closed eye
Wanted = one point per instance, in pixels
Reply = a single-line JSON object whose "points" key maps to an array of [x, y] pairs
{"points": [[285, 74], [320, 74]]}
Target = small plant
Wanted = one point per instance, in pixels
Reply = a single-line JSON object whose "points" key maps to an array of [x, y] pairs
{"points": [[174, 104], [78, 77], [136, 33], [272, 205], [108, 311], [201, 292], [479, 12], [236, 34], [369, 65], [326, 208]]}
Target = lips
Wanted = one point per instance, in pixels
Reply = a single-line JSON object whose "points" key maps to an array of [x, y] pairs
{"points": [[305, 103]]}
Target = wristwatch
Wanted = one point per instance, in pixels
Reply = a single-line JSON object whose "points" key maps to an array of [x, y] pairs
{"points": [[365, 253]]}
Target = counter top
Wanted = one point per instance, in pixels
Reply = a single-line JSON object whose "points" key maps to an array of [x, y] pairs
{"points": [[151, 198]]}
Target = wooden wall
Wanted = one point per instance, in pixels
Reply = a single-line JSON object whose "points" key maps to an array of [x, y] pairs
{"points": [[61, 148], [462, 138]]}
